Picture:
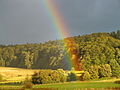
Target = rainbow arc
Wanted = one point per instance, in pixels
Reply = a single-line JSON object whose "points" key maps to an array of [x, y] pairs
{"points": [[60, 26]]}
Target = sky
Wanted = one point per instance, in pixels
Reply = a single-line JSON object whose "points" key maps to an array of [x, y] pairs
{"points": [[26, 21]]}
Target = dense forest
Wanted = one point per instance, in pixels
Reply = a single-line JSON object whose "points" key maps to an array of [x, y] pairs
{"points": [[93, 51]]}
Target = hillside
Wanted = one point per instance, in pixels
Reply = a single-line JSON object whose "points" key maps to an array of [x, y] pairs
{"points": [[97, 49], [15, 74]]}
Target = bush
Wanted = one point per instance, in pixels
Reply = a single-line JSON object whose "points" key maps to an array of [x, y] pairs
{"points": [[27, 83], [48, 76], [93, 70], [105, 71], [86, 76], [62, 75], [115, 68], [72, 77], [117, 82], [1, 77]]}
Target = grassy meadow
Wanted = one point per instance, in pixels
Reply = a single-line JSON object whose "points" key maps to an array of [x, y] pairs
{"points": [[71, 86], [12, 75], [15, 75], [80, 85]]}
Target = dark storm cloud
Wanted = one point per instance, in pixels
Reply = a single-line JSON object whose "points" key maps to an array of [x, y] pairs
{"points": [[86, 16], [24, 21]]}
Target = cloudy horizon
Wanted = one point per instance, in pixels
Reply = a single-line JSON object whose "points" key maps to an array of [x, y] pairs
{"points": [[25, 21]]}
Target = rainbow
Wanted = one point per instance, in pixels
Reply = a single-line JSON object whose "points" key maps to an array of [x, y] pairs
{"points": [[62, 29]]}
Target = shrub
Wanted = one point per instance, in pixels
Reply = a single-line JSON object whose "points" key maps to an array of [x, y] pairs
{"points": [[27, 83], [115, 68], [117, 82], [1, 77], [93, 70], [72, 77], [48, 76], [62, 75], [86, 76], [105, 71]]}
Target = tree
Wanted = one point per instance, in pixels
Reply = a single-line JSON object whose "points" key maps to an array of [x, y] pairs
{"points": [[115, 68], [105, 71], [62, 75], [93, 70], [48, 76], [95, 49], [1, 77], [117, 55], [2, 62], [115, 34], [72, 77], [28, 59], [36, 79], [86, 76]]}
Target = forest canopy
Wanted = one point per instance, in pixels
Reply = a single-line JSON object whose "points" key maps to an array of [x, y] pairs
{"points": [[92, 51]]}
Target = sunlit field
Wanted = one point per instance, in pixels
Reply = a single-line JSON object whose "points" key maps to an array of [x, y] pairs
{"points": [[80, 85], [14, 77], [72, 86], [18, 75]]}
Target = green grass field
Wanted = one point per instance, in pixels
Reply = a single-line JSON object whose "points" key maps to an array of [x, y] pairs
{"points": [[13, 75], [72, 85], [80, 85]]}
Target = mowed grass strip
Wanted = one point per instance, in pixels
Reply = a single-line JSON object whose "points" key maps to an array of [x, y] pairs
{"points": [[70, 86], [10, 86], [73, 86]]}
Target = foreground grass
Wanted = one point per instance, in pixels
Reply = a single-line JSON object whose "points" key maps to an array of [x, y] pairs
{"points": [[13, 75], [79, 85], [70, 86]]}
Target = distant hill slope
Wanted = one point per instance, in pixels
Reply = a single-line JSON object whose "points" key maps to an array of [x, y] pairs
{"points": [[11, 75], [10, 72], [93, 49]]}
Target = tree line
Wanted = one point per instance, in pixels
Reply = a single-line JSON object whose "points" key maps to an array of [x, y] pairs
{"points": [[92, 51]]}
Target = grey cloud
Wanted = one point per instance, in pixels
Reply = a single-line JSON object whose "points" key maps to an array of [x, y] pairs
{"points": [[24, 21], [85, 16]]}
